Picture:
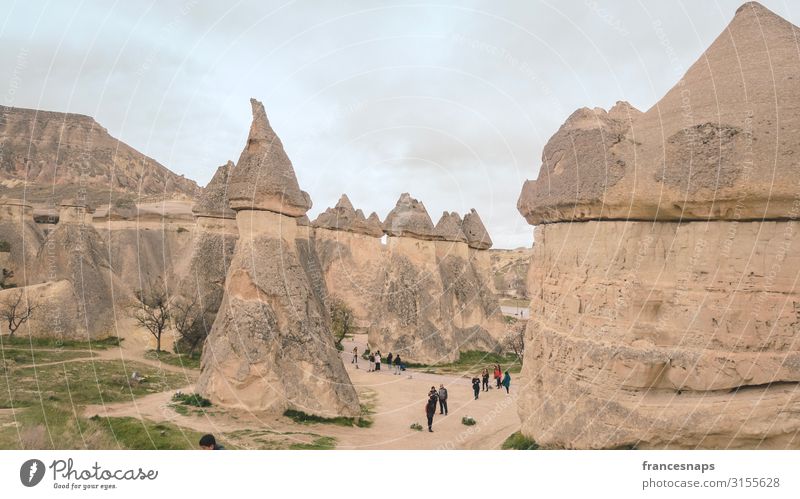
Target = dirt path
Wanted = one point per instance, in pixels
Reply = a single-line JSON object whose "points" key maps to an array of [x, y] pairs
{"points": [[398, 401]]}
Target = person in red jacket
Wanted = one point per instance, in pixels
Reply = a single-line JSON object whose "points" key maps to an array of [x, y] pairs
{"points": [[498, 374]]}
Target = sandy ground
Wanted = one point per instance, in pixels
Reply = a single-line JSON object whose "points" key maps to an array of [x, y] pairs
{"points": [[396, 402]]}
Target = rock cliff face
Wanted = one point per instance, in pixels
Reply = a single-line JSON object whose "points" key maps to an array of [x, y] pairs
{"points": [[664, 304], [215, 236], [271, 347], [351, 257], [73, 259], [22, 236], [48, 153], [433, 303]]}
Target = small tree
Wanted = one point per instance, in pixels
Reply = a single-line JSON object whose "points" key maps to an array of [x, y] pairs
{"points": [[15, 309], [515, 341], [192, 323], [151, 310], [342, 320]]}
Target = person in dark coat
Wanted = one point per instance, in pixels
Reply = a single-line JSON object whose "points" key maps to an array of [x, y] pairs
{"points": [[476, 386], [442, 400], [430, 407], [485, 379], [398, 364], [507, 381]]}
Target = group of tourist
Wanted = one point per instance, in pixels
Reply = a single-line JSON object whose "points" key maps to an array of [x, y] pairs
{"points": [[440, 396], [375, 361], [482, 382]]}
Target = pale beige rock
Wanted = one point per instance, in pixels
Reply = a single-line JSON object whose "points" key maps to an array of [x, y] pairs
{"points": [[56, 314], [24, 237], [725, 132], [409, 218], [271, 348], [344, 217], [264, 178], [657, 334], [621, 353]]}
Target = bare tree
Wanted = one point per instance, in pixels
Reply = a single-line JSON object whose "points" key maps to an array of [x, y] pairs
{"points": [[15, 309], [515, 340], [151, 310], [192, 322]]}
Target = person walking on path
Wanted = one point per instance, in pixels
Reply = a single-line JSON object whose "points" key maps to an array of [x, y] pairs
{"points": [[442, 400], [485, 379], [397, 365], [507, 381], [430, 408], [355, 357], [476, 386], [378, 360], [371, 362], [498, 374], [389, 360]]}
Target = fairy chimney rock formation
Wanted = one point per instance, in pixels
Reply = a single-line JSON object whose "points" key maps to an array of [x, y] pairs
{"points": [[652, 333], [213, 202], [346, 218], [449, 228], [265, 178], [271, 347], [409, 218], [477, 236]]}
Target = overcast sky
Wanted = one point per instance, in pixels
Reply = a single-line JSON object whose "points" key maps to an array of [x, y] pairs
{"points": [[451, 101]]}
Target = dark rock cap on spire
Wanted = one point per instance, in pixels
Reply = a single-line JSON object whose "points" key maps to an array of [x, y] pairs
{"points": [[344, 217], [264, 178], [477, 236], [213, 202], [448, 228], [409, 218]]}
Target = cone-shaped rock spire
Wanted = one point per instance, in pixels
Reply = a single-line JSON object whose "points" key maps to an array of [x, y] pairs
{"points": [[448, 228], [409, 218], [264, 178], [477, 236], [344, 217], [213, 202], [712, 136]]}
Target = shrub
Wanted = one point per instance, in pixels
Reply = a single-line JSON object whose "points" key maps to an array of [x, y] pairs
{"points": [[182, 230], [5, 247], [416, 426], [518, 441], [468, 421], [193, 399]]}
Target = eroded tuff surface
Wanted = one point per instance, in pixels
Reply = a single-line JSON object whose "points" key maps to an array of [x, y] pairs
{"points": [[271, 347], [344, 217], [430, 307], [264, 178], [663, 336], [653, 333], [47, 154], [726, 132], [409, 218]]}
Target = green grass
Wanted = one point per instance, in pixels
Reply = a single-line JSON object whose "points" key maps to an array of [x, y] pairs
{"points": [[321, 443], [30, 342], [473, 362], [301, 417], [515, 302], [20, 356], [86, 382], [132, 433], [468, 421], [518, 441], [175, 359]]}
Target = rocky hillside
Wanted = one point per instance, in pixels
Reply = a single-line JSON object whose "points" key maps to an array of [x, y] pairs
{"points": [[46, 155], [509, 273]]}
